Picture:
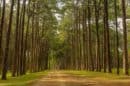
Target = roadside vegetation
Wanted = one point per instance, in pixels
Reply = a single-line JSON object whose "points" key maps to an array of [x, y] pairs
{"points": [[22, 80]]}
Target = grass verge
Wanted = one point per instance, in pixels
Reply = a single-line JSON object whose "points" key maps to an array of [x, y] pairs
{"points": [[22, 80], [99, 75]]}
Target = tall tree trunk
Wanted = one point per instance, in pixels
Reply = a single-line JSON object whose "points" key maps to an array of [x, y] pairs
{"points": [[117, 38], [2, 22], [97, 36], [5, 60], [108, 55], [125, 58], [22, 38], [15, 60], [89, 37], [27, 34]]}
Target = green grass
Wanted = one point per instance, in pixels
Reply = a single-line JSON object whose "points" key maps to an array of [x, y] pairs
{"points": [[22, 80], [26, 79], [100, 75]]}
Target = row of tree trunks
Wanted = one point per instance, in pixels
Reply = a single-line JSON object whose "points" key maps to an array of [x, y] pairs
{"points": [[24, 33], [93, 44]]}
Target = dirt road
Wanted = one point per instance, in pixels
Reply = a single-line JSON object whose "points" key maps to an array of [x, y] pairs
{"points": [[62, 79]]}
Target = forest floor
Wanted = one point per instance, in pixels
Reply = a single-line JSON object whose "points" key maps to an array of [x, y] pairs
{"points": [[61, 78]]}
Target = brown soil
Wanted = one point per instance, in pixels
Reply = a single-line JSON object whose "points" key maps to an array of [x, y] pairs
{"points": [[61, 79]]}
